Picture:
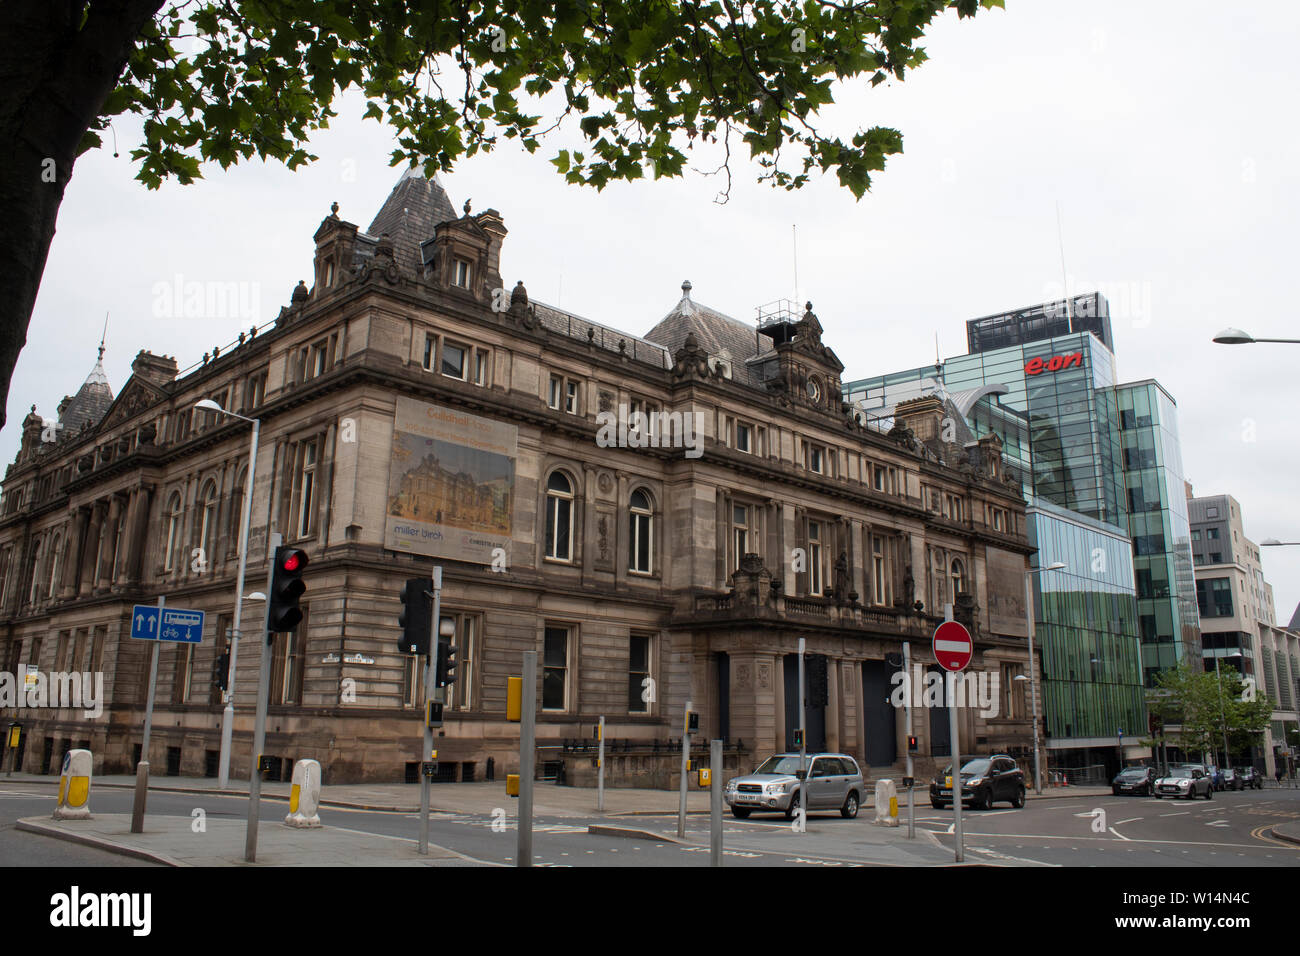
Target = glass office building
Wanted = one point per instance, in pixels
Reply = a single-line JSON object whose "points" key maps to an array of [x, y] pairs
{"points": [[1168, 619], [1043, 380]]}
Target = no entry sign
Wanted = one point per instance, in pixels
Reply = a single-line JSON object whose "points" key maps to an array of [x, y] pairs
{"points": [[952, 646]]}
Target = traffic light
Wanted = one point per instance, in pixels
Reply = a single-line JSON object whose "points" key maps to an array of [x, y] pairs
{"points": [[446, 652], [913, 745], [417, 609], [221, 671], [282, 611]]}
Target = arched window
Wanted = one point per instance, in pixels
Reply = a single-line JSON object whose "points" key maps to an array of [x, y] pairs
{"points": [[56, 563], [208, 526], [559, 517], [641, 539], [958, 578], [173, 518]]}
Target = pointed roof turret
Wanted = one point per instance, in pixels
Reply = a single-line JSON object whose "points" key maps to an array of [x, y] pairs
{"points": [[91, 401], [409, 214]]}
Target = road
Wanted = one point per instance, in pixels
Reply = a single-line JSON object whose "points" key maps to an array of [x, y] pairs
{"points": [[1230, 829]]}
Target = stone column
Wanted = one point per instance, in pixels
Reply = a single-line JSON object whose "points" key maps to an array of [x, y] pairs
{"points": [[90, 550], [72, 563], [588, 536], [104, 560], [122, 561], [723, 570], [139, 529], [833, 704], [622, 540], [776, 735]]}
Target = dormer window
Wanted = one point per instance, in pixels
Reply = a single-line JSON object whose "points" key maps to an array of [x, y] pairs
{"points": [[461, 272]]}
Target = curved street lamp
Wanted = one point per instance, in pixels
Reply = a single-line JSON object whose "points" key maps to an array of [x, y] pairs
{"points": [[1238, 337]]}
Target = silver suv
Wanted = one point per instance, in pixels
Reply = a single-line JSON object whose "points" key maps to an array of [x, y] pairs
{"points": [[834, 782]]}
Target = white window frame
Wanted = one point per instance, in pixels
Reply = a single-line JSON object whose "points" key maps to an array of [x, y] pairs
{"points": [[173, 530], [466, 355], [305, 487], [552, 517], [570, 634], [879, 571], [647, 707], [816, 577], [744, 428], [740, 529], [208, 504], [640, 518], [815, 453], [462, 272]]}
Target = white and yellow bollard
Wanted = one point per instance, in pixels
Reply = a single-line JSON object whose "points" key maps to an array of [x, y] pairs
{"points": [[304, 795], [74, 786], [886, 803]]}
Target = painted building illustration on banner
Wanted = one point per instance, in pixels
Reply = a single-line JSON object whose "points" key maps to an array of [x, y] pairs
{"points": [[451, 484]]}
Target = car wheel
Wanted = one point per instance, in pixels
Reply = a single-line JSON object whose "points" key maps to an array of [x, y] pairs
{"points": [[982, 801], [740, 813], [1209, 794], [793, 809], [938, 804], [850, 808], [1019, 801]]}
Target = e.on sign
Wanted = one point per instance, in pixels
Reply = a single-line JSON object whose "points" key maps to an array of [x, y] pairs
{"points": [[1057, 362]]}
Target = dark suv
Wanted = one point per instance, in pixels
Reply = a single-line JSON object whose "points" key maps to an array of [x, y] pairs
{"points": [[984, 781]]}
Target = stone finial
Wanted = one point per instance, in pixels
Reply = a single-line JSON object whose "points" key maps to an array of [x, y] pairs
{"points": [[334, 210], [686, 288], [518, 296], [466, 207], [300, 293]]}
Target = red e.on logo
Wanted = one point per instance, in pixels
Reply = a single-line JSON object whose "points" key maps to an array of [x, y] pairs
{"points": [[1057, 362]]}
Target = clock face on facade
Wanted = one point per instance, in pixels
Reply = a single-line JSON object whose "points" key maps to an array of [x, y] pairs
{"points": [[814, 390]]}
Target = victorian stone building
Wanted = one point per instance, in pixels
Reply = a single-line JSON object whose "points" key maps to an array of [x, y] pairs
{"points": [[415, 413]]}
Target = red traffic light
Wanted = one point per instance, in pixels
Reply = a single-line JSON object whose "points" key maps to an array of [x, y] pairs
{"points": [[294, 560]]}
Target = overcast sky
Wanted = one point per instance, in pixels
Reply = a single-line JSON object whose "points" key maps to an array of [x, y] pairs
{"points": [[1160, 129]]}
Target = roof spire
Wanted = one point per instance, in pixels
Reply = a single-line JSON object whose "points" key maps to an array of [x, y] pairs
{"points": [[102, 337]]}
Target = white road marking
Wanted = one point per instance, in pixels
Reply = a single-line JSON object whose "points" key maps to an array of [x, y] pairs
{"points": [[1129, 820], [1181, 813]]}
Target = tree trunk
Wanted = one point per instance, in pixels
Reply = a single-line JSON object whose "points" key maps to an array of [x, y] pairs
{"points": [[55, 74]]}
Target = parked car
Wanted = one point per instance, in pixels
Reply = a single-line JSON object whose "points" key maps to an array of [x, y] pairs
{"points": [[1251, 779], [1230, 780], [1139, 780], [1189, 782], [833, 782], [984, 781]]}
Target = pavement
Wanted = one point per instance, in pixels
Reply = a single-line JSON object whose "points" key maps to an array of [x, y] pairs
{"points": [[174, 841], [484, 797]]}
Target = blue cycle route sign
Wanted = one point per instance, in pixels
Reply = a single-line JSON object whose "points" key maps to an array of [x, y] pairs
{"points": [[178, 624]]}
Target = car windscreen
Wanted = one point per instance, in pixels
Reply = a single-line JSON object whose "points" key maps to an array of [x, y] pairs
{"points": [[1134, 772], [781, 765], [978, 766], [1180, 772]]}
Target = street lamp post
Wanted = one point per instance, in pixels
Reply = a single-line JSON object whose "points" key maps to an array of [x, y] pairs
{"points": [[1033, 684], [1238, 337], [228, 715]]}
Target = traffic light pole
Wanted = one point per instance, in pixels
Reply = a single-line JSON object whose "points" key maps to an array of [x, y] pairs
{"points": [[527, 759], [228, 714], [952, 676], [259, 727], [686, 751], [430, 679], [911, 780], [803, 742]]}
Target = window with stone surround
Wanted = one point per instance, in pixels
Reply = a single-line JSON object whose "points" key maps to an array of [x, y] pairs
{"points": [[556, 650], [742, 517], [816, 555], [171, 530], [880, 580], [460, 694], [641, 533], [304, 487], [640, 674], [559, 517]]}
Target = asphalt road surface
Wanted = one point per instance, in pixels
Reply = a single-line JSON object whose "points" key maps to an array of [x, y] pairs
{"points": [[1229, 830]]}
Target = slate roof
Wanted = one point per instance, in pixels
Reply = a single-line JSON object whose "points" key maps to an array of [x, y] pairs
{"points": [[718, 334], [1295, 620], [408, 216], [91, 402]]}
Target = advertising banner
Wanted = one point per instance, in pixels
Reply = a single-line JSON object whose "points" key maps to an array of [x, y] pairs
{"points": [[1006, 587], [451, 484]]}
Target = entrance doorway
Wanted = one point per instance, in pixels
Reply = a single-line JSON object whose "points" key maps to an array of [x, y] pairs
{"points": [[816, 721], [879, 715]]}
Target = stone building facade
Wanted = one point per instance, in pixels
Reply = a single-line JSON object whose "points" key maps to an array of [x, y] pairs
{"points": [[643, 573]]}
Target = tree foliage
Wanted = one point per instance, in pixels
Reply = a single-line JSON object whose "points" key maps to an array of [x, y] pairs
{"points": [[1206, 704], [642, 83]]}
